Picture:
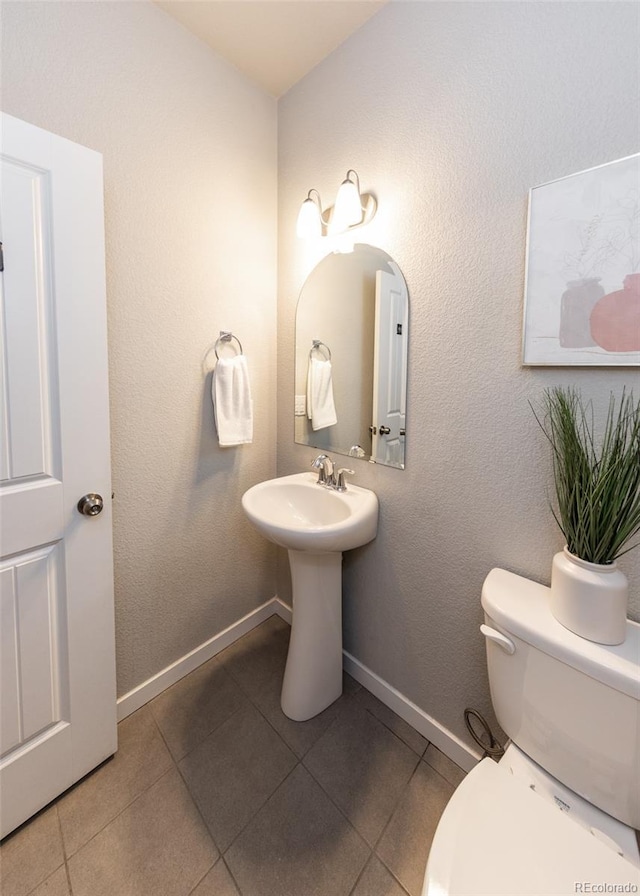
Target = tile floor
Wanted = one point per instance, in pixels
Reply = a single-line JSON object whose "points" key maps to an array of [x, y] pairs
{"points": [[214, 792]]}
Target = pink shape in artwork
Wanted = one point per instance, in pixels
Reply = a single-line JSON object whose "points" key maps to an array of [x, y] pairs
{"points": [[615, 319]]}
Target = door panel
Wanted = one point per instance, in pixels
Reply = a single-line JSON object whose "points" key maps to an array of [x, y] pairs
{"points": [[56, 580], [27, 372], [32, 644], [31, 514]]}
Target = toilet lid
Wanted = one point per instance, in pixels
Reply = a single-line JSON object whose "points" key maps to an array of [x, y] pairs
{"points": [[497, 837]]}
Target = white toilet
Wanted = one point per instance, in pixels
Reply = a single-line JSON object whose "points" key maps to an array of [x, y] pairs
{"points": [[557, 814]]}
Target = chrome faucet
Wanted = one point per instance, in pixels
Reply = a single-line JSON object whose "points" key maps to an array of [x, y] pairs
{"points": [[324, 465], [327, 476]]}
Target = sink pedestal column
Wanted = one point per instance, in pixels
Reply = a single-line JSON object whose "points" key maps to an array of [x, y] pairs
{"points": [[313, 676]]}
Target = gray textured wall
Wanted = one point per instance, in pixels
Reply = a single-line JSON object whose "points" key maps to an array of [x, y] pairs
{"points": [[450, 112], [189, 151]]}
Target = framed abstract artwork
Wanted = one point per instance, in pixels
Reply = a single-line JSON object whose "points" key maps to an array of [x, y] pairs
{"points": [[582, 281]]}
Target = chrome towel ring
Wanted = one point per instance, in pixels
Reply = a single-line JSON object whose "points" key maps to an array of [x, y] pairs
{"points": [[319, 346], [226, 336]]}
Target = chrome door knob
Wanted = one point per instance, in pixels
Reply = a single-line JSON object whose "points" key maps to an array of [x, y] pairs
{"points": [[384, 430], [91, 504]]}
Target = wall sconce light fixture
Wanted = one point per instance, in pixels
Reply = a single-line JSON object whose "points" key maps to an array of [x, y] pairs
{"points": [[311, 221], [352, 209]]}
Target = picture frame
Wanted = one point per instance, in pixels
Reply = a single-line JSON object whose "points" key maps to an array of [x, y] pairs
{"points": [[582, 275]]}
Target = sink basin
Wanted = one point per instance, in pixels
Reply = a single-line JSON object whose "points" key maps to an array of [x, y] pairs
{"points": [[298, 514], [316, 524]]}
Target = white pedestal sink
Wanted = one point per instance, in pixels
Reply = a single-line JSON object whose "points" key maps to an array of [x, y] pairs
{"points": [[316, 524]]}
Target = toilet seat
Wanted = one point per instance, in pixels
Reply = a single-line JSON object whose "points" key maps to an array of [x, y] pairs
{"points": [[497, 837]]}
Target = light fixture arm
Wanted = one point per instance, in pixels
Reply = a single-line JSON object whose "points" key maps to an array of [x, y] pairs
{"points": [[355, 174], [319, 200], [324, 215]]}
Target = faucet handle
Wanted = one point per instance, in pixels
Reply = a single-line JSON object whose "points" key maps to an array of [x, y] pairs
{"points": [[341, 485], [324, 465]]}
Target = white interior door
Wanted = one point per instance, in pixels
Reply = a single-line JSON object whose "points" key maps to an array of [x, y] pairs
{"points": [[57, 643], [389, 367]]}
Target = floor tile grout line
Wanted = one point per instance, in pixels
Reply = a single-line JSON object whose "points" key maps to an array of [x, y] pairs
{"points": [[433, 768], [396, 805], [360, 689], [362, 871], [63, 864], [210, 868], [41, 882], [162, 737], [239, 709], [118, 814], [261, 806], [395, 733], [388, 822], [200, 742], [248, 695], [393, 875], [421, 760], [191, 796], [440, 775], [266, 798], [252, 700], [68, 857], [267, 720], [299, 761], [232, 875], [404, 790], [64, 852], [256, 706], [348, 822], [219, 724], [336, 806]]}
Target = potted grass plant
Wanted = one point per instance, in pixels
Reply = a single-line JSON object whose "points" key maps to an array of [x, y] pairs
{"points": [[597, 485]]}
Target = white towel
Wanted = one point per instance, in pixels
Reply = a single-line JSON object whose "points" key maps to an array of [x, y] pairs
{"points": [[232, 404], [320, 407]]}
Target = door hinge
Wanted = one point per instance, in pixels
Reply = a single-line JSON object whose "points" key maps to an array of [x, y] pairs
{"points": [[1, 259]]}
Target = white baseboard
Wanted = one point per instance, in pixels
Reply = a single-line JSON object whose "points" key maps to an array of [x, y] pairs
{"points": [[158, 683], [433, 731], [283, 610], [428, 727]]}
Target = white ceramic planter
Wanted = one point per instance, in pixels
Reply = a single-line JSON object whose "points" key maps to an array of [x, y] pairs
{"points": [[590, 599]]}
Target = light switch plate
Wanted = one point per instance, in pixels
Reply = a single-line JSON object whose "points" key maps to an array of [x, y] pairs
{"points": [[301, 405]]}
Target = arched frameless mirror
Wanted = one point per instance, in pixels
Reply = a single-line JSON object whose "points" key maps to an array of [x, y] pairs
{"points": [[351, 357]]}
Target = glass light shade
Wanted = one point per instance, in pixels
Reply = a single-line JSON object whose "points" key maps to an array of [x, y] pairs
{"points": [[309, 220], [348, 208]]}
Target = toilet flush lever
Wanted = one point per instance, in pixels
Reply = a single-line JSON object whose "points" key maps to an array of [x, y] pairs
{"points": [[498, 638]]}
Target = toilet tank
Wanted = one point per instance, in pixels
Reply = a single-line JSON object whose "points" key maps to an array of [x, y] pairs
{"points": [[570, 704]]}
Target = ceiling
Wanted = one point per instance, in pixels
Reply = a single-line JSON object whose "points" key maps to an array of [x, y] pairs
{"points": [[274, 42]]}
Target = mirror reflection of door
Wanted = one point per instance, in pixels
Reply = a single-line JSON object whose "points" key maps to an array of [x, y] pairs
{"points": [[389, 365], [337, 306]]}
